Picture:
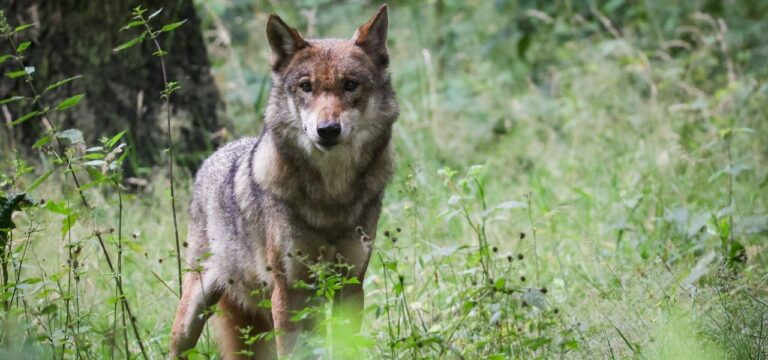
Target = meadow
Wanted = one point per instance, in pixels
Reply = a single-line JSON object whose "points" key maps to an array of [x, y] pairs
{"points": [[574, 180]]}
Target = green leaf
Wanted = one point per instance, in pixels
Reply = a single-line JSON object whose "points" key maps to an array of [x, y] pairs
{"points": [[500, 283], [93, 156], [59, 207], [24, 118], [571, 344], [22, 27], [73, 136], [129, 44], [4, 58], [172, 26], [135, 247], [68, 222], [41, 142], [111, 142], [16, 74], [138, 11], [72, 101], [132, 24], [62, 82], [155, 13], [538, 342], [94, 163], [12, 99], [23, 46], [39, 180], [49, 309], [31, 281]]}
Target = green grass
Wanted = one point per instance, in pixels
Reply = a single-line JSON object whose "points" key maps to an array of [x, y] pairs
{"points": [[625, 171]]}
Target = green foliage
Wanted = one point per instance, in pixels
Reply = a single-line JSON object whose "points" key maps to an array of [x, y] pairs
{"points": [[618, 209]]}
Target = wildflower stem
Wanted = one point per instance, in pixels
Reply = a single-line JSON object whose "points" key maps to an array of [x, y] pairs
{"points": [[167, 96]]}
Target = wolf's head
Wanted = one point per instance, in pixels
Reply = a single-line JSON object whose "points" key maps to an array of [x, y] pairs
{"points": [[331, 93]]}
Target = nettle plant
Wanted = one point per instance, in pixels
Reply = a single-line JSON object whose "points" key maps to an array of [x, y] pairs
{"points": [[49, 303], [333, 333], [53, 299], [140, 20]]}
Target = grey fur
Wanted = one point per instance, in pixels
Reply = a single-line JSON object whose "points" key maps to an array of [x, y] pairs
{"points": [[311, 201]]}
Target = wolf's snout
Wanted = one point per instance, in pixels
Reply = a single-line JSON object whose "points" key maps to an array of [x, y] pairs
{"points": [[329, 130]]}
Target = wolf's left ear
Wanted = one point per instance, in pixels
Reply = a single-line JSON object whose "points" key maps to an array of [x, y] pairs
{"points": [[283, 40], [372, 37]]}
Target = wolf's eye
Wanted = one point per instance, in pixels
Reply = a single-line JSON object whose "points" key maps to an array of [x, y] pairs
{"points": [[350, 85], [305, 86]]}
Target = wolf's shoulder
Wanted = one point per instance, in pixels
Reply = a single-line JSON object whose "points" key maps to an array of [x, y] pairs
{"points": [[215, 169], [226, 155]]}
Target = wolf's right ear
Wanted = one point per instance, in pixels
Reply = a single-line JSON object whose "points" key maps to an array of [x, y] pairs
{"points": [[283, 40]]}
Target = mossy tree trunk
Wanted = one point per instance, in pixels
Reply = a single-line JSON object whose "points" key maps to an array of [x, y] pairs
{"points": [[74, 37]]}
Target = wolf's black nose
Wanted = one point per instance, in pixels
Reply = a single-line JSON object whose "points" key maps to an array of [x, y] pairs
{"points": [[329, 130]]}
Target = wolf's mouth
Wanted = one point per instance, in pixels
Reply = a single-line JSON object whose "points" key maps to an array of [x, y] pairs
{"points": [[326, 145]]}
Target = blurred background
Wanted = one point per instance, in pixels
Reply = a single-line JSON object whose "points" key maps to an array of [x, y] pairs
{"points": [[614, 151]]}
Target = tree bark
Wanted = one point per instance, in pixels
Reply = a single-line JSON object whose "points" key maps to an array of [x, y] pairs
{"points": [[75, 37]]}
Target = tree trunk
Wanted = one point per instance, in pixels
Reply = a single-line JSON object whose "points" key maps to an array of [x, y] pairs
{"points": [[75, 37]]}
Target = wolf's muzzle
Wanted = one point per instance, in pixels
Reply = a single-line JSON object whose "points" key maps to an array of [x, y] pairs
{"points": [[329, 131]]}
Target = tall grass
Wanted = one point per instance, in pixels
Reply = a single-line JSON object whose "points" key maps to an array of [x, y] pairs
{"points": [[573, 181]]}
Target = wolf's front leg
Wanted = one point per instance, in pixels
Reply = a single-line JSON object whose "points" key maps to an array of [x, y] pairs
{"points": [[199, 293], [284, 302], [286, 299]]}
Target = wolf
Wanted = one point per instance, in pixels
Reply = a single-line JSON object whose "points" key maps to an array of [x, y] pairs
{"points": [[310, 186]]}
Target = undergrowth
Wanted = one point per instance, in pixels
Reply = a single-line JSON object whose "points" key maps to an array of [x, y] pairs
{"points": [[578, 182]]}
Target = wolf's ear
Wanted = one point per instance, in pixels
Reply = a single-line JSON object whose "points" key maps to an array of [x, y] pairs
{"points": [[372, 37], [283, 40]]}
